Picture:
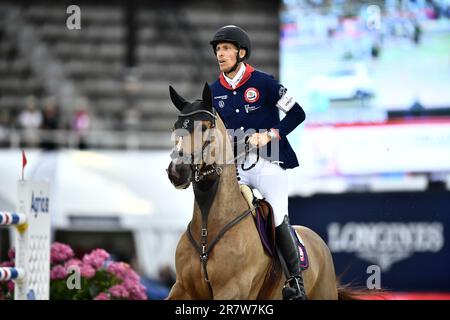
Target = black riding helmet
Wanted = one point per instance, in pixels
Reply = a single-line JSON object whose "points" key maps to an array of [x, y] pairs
{"points": [[236, 36]]}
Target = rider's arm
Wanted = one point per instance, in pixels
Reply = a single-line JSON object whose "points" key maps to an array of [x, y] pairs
{"points": [[280, 99]]}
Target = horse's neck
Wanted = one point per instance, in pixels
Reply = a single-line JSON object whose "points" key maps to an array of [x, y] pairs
{"points": [[227, 204]]}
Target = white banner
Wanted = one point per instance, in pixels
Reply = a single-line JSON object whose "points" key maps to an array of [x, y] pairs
{"points": [[376, 148]]}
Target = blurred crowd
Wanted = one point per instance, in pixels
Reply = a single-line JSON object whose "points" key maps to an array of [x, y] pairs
{"points": [[38, 124]]}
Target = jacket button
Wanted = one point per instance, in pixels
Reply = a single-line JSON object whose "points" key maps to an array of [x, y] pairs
{"points": [[234, 92], [237, 110]]}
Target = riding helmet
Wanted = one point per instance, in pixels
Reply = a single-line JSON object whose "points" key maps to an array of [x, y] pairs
{"points": [[235, 35]]}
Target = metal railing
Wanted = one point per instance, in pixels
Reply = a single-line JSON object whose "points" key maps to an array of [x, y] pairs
{"points": [[98, 139]]}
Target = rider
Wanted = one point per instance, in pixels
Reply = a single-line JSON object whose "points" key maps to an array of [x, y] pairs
{"points": [[247, 99]]}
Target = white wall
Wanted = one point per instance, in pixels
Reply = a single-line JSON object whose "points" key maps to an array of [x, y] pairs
{"points": [[130, 185]]}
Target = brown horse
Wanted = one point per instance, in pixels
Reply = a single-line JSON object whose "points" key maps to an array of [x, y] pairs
{"points": [[216, 259]]}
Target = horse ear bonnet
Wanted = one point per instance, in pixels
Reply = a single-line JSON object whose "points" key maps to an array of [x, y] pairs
{"points": [[191, 112]]}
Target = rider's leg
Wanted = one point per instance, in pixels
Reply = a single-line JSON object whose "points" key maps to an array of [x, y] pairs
{"points": [[287, 244], [273, 183]]}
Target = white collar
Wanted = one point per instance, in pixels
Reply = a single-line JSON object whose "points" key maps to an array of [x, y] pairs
{"points": [[237, 78]]}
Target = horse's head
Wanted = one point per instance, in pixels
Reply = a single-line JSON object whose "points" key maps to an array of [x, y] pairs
{"points": [[193, 155]]}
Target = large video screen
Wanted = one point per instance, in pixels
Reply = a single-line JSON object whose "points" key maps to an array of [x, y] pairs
{"points": [[374, 80]]}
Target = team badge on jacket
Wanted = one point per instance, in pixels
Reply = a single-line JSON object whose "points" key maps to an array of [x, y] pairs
{"points": [[251, 95]]}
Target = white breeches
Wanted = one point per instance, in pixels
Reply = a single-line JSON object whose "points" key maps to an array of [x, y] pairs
{"points": [[270, 180]]}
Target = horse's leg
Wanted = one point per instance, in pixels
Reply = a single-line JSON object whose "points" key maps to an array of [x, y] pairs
{"points": [[178, 292]]}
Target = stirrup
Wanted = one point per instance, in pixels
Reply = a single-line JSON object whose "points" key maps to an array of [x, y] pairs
{"points": [[293, 289]]}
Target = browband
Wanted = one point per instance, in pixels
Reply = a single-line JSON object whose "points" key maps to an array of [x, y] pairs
{"points": [[197, 111]]}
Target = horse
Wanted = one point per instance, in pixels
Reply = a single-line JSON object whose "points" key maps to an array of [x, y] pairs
{"points": [[220, 256]]}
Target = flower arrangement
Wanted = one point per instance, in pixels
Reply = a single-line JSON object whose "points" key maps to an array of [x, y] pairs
{"points": [[94, 277]]}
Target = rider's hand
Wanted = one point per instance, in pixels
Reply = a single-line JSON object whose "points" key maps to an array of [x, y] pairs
{"points": [[259, 139]]}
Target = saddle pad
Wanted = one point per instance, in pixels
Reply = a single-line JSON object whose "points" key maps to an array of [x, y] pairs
{"points": [[264, 225], [304, 261]]}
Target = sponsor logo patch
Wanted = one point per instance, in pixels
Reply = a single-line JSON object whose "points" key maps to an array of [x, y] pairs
{"points": [[249, 108], [251, 95], [221, 97]]}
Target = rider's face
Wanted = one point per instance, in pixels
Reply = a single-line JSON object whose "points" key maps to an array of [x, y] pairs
{"points": [[226, 56]]}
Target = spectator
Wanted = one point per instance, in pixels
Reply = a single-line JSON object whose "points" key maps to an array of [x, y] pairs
{"points": [[4, 128], [30, 120], [132, 119], [81, 124], [417, 33], [50, 123]]}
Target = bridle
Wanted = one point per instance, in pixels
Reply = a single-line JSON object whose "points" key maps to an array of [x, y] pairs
{"points": [[196, 169], [199, 173]]}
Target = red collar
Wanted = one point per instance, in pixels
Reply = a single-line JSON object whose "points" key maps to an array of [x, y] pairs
{"points": [[248, 72]]}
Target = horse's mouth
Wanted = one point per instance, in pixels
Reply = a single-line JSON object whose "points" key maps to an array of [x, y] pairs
{"points": [[178, 180]]}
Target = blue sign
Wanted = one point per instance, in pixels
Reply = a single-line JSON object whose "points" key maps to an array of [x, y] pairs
{"points": [[406, 235]]}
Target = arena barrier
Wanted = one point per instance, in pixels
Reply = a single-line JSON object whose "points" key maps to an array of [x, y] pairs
{"points": [[31, 225]]}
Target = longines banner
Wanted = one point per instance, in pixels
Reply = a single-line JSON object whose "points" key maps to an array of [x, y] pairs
{"points": [[405, 235]]}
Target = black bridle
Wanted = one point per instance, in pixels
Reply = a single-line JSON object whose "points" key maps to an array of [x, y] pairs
{"points": [[199, 172]]}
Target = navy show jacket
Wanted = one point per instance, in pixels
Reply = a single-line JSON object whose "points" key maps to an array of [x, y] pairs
{"points": [[253, 105]]}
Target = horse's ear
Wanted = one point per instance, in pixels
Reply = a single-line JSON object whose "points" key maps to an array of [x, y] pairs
{"points": [[177, 100], [207, 97]]}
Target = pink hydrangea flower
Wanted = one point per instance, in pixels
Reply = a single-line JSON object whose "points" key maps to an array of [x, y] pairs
{"points": [[136, 290], [73, 262], [132, 275], [62, 258], [10, 286], [102, 296], [122, 271], [118, 269], [96, 258], [58, 272], [87, 271], [119, 291], [60, 252]]}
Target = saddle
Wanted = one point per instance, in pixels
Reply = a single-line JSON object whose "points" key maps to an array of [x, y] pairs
{"points": [[265, 224]]}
